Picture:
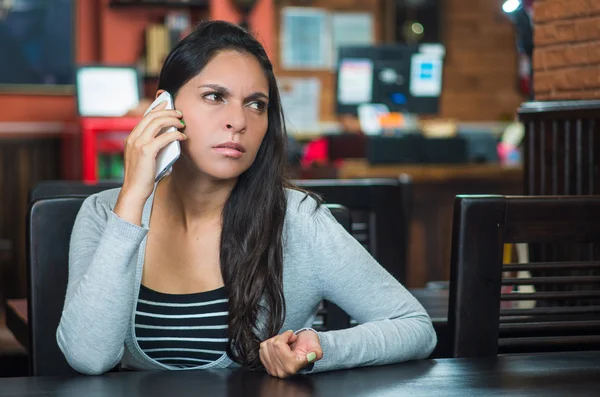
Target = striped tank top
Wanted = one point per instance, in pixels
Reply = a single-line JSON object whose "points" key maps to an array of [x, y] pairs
{"points": [[182, 331]]}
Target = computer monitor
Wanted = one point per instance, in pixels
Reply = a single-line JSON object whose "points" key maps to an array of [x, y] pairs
{"points": [[107, 91], [405, 78]]}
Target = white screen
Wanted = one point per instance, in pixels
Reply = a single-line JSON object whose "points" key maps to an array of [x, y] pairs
{"points": [[355, 81], [426, 75], [107, 91]]}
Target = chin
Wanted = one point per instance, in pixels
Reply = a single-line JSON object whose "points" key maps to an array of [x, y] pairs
{"points": [[216, 168], [224, 171]]}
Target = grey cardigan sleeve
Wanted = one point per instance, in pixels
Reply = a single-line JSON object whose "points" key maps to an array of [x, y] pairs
{"points": [[99, 298], [394, 327]]}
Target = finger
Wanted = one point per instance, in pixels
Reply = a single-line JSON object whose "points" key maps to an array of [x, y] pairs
{"points": [[151, 116], [272, 347], [319, 353], [286, 336], [285, 358], [289, 336], [163, 140], [265, 359], [162, 105], [156, 126], [314, 355]]}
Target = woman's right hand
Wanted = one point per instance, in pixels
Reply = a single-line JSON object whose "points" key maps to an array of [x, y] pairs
{"points": [[141, 148]]}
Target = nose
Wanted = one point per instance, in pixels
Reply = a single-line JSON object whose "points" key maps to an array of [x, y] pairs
{"points": [[236, 119]]}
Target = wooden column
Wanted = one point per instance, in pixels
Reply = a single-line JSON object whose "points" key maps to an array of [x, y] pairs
{"points": [[561, 152], [561, 147], [29, 153], [562, 141]]}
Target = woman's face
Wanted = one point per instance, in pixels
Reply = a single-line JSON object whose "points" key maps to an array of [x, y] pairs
{"points": [[225, 113]]}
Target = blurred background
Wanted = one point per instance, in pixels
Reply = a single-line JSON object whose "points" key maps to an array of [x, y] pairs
{"points": [[441, 92]]}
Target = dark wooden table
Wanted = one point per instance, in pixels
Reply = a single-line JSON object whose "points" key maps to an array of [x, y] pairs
{"points": [[551, 374]]}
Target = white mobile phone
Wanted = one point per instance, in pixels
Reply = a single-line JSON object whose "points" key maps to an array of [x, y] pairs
{"points": [[169, 154]]}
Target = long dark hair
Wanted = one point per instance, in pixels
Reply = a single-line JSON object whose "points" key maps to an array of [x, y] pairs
{"points": [[251, 251]]}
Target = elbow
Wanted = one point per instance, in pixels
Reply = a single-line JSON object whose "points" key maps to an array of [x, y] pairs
{"points": [[87, 367], [429, 338], [83, 360]]}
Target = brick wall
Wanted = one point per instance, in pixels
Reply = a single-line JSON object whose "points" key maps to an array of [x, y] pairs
{"points": [[481, 70], [566, 58]]}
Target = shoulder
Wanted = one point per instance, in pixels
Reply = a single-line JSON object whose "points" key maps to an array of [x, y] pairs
{"points": [[100, 204], [302, 206], [306, 212]]}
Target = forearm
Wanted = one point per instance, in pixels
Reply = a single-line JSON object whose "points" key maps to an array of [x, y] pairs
{"points": [[99, 301], [377, 343]]}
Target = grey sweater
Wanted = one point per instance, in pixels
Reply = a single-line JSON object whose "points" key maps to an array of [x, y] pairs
{"points": [[321, 261]]}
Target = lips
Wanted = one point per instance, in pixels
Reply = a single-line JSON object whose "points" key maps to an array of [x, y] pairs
{"points": [[230, 150], [231, 145]]}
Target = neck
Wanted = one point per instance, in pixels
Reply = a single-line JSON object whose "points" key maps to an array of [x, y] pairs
{"points": [[193, 198]]}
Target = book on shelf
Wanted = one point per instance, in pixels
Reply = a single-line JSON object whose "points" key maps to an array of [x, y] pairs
{"points": [[157, 47], [162, 37]]}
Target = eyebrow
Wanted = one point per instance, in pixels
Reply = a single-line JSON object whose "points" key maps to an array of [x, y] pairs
{"points": [[225, 92]]}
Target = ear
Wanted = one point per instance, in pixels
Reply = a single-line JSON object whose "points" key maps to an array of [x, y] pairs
{"points": [[158, 93]]}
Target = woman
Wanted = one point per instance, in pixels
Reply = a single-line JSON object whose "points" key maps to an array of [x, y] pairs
{"points": [[207, 267]]}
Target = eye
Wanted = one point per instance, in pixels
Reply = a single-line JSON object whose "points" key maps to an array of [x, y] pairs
{"points": [[258, 105], [213, 97]]}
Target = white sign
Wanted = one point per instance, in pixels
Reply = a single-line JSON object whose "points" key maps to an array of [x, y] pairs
{"points": [[355, 81], [426, 75], [300, 102], [351, 29], [305, 38]]}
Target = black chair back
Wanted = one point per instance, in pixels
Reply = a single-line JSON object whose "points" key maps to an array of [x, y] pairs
{"points": [[63, 188], [380, 211], [331, 316], [49, 226], [487, 314]]}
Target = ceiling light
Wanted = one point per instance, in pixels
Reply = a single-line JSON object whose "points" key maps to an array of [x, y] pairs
{"points": [[511, 6]]}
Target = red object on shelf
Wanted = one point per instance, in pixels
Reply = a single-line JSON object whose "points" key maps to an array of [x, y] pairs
{"points": [[91, 129]]}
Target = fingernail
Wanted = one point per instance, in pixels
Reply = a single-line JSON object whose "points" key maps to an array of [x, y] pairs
{"points": [[311, 357], [184, 136], [182, 122], [290, 330], [179, 112]]}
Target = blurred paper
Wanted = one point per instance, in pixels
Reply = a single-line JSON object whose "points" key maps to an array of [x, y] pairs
{"points": [[305, 38], [355, 81], [351, 29], [426, 75], [300, 101]]}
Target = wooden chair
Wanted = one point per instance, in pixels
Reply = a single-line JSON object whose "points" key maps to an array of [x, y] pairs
{"points": [[380, 211], [482, 225]]}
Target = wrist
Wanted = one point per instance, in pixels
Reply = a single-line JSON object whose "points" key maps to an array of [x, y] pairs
{"points": [[132, 197], [307, 329], [129, 207]]}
